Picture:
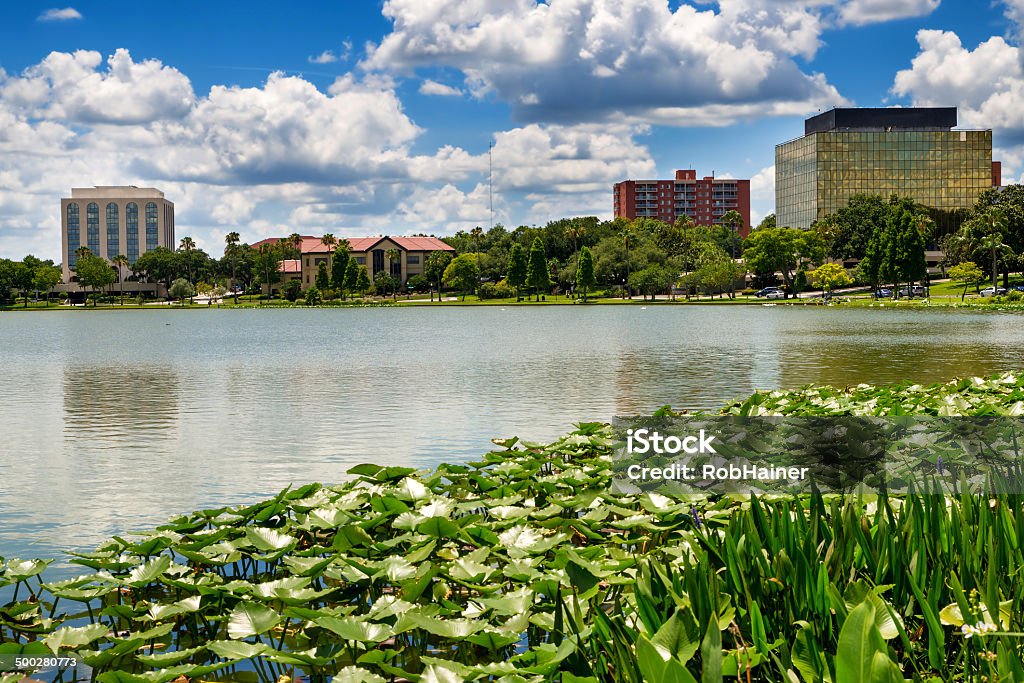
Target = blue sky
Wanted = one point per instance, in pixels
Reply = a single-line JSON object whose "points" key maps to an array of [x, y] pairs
{"points": [[364, 118]]}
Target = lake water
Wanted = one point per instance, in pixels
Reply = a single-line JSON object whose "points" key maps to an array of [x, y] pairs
{"points": [[116, 420]]}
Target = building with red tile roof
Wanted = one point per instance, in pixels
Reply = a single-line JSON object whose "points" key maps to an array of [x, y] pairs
{"points": [[370, 252]]}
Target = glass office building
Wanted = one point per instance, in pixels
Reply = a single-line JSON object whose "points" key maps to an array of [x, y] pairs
{"points": [[910, 152]]}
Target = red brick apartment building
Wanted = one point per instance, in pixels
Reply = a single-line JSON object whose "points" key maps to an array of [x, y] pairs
{"points": [[705, 200]]}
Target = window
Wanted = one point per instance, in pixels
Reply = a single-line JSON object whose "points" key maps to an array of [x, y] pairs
{"points": [[152, 227], [131, 218], [92, 227], [361, 260], [378, 260], [113, 237], [74, 238]]}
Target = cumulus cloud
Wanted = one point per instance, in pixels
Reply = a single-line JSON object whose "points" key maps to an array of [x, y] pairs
{"points": [[283, 156], [986, 83], [860, 12], [65, 14], [75, 87], [569, 61], [429, 87]]}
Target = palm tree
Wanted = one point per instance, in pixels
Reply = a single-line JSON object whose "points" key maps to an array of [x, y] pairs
{"points": [[985, 233], [121, 262], [187, 245], [231, 240], [393, 257], [329, 241]]}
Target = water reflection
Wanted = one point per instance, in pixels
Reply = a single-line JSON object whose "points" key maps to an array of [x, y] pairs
{"points": [[115, 421], [120, 407]]}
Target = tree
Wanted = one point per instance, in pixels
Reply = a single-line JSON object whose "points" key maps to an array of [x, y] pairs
{"points": [[517, 267], [267, 264], [626, 232], [585, 278], [394, 256], [323, 280], [434, 269], [900, 249], [983, 233], [294, 245], [384, 281], [768, 250], [462, 272], [291, 289], [352, 275], [766, 222], [537, 275], [120, 262], [21, 277], [230, 252], [339, 267], [828, 276], [652, 280], [313, 296], [362, 280], [44, 278], [187, 245], [159, 265], [93, 271], [968, 273], [181, 289]]}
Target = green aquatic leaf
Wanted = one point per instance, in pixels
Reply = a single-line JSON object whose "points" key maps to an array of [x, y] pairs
{"points": [[149, 571], [75, 636], [236, 650], [251, 619]]}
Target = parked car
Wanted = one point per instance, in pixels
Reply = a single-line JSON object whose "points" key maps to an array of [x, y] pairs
{"points": [[883, 293], [1019, 288], [766, 291], [993, 291], [916, 290], [775, 294]]}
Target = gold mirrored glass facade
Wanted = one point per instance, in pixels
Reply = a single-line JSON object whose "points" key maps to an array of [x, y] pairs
{"points": [[817, 174]]}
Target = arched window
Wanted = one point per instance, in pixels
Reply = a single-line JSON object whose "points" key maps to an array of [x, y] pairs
{"points": [[113, 236], [92, 227], [152, 227], [74, 236], [131, 218]]}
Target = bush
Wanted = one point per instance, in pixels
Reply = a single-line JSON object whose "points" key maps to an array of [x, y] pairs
{"points": [[292, 289], [496, 290], [313, 297], [1014, 295], [419, 283]]}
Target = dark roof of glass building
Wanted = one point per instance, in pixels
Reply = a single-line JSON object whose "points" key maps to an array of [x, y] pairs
{"points": [[882, 119]]}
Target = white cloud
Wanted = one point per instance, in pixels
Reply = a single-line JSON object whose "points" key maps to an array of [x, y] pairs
{"points": [[281, 157], [987, 83], [74, 87], [65, 14], [429, 87], [860, 12], [325, 57], [762, 184], [568, 61]]}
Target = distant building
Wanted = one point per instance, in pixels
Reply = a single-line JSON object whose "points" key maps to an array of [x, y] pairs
{"points": [[112, 221], [367, 251], [910, 152], [705, 200]]}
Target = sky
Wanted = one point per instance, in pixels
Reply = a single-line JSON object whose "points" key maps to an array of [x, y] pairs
{"points": [[432, 116]]}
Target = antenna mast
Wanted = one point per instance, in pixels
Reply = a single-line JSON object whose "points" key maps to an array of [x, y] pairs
{"points": [[490, 183]]}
